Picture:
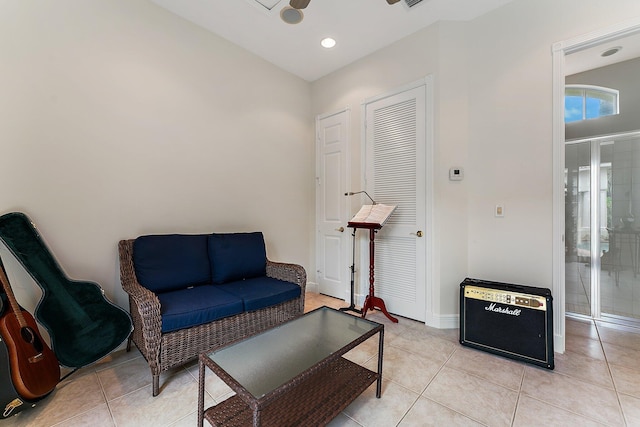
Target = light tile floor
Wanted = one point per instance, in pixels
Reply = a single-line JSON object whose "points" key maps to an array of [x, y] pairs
{"points": [[429, 380]]}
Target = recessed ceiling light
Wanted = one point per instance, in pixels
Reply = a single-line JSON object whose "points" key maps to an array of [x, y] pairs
{"points": [[611, 51], [328, 42], [291, 15]]}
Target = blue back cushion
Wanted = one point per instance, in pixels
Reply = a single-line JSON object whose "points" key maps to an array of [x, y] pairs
{"points": [[172, 261], [236, 256]]}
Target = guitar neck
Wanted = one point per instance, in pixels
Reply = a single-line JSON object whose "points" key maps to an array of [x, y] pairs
{"points": [[15, 307]]}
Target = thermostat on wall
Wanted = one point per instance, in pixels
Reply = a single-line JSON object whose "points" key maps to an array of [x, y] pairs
{"points": [[456, 174]]}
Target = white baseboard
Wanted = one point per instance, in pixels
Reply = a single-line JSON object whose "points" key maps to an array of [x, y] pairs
{"points": [[312, 287], [446, 321]]}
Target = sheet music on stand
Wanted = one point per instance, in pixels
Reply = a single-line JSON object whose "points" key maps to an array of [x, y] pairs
{"points": [[372, 216]]}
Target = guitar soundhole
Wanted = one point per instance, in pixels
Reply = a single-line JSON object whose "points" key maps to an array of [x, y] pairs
{"points": [[29, 336]]}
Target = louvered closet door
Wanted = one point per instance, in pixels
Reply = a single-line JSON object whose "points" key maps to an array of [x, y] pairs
{"points": [[395, 165]]}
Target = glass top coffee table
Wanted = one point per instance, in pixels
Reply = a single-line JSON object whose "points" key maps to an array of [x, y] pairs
{"points": [[293, 374]]}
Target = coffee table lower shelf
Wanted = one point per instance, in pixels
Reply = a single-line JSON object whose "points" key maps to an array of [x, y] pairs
{"points": [[316, 400]]}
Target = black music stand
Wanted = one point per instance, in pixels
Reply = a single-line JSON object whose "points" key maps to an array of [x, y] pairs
{"points": [[352, 306]]}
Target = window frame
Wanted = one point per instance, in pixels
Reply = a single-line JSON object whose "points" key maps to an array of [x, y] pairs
{"points": [[586, 90]]}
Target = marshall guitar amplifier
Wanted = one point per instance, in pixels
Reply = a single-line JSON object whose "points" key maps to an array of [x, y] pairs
{"points": [[509, 320]]}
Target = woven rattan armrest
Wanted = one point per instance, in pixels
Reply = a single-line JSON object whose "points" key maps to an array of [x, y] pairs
{"points": [[144, 304], [145, 299], [293, 273]]}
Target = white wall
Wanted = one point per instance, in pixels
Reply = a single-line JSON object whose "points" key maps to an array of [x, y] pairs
{"points": [[493, 84], [118, 119]]}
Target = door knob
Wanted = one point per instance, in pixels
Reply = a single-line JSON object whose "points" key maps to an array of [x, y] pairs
{"points": [[418, 233], [341, 229]]}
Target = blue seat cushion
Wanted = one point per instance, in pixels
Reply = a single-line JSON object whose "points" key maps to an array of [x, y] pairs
{"points": [[172, 261], [236, 256], [196, 306], [261, 292]]}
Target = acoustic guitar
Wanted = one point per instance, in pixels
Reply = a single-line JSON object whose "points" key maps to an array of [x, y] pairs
{"points": [[35, 371], [10, 401]]}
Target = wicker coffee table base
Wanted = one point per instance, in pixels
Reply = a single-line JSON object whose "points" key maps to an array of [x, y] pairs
{"points": [[313, 402]]}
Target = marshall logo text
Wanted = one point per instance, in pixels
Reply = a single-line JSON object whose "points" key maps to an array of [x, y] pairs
{"points": [[503, 310]]}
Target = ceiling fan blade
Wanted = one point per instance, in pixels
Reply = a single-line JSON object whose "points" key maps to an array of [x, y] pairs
{"points": [[392, 1], [301, 4]]}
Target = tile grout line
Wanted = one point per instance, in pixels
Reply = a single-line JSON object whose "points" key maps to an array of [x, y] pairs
{"points": [[613, 381], [515, 410], [104, 396], [442, 404]]}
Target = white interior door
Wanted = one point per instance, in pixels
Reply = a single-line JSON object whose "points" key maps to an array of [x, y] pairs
{"points": [[332, 237], [395, 174]]}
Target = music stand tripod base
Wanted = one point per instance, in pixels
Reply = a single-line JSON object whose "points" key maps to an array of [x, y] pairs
{"points": [[372, 302]]}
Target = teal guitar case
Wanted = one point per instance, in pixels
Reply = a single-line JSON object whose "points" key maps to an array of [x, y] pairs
{"points": [[82, 324], [10, 402]]}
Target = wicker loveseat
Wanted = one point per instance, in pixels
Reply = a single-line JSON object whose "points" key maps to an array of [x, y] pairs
{"points": [[192, 293]]}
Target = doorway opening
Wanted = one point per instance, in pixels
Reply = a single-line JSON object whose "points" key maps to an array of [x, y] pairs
{"points": [[602, 235], [561, 53]]}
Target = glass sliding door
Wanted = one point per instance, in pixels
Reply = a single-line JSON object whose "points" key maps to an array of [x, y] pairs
{"points": [[578, 228], [620, 281], [602, 235]]}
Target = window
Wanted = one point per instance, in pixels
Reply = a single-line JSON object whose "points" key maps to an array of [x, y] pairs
{"points": [[583, 102]]}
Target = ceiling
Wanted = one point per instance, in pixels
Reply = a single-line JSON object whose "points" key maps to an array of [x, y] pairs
{"points": [[591, 58], [360, 27]]}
